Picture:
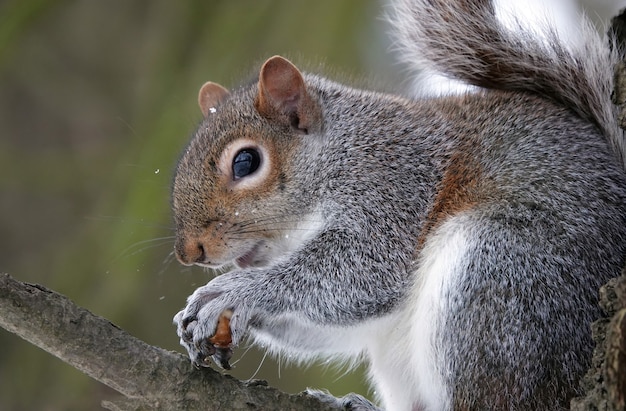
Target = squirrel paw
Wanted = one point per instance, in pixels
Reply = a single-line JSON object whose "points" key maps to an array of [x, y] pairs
{"points": [[350, 402], [214, 321]]}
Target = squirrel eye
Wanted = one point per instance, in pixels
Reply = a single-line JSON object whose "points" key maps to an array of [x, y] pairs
{"points": [[246, 162]]}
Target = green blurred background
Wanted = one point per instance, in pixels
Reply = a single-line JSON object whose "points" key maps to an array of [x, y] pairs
{"points": [[97, 100]]}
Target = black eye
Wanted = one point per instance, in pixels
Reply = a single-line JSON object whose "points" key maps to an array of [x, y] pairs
{"points": [[246, 162]]}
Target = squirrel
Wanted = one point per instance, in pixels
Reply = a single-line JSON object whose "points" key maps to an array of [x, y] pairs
{"points": [[455, 243]]}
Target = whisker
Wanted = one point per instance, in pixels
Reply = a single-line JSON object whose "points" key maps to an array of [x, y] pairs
{"points": [[139, 247], [169, 257], [288, 218], [154, 242], [258, 368], [242, 355], [167, 261], [126, 220], [274, 219], [273, 226], [240, 234], [166, 238]]}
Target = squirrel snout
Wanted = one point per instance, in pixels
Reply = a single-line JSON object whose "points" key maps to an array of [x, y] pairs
{"points": [[206, 247], [190, 251]]}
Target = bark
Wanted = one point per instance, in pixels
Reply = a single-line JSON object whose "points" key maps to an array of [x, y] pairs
{"points": [[150, 378], [618, 26], [605, 383]]}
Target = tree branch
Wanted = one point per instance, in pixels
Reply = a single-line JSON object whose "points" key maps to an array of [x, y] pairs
{"points": [[150, 377]]}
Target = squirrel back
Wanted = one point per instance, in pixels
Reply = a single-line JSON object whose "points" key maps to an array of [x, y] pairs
{"points": [[456, 243], [468, 42]]}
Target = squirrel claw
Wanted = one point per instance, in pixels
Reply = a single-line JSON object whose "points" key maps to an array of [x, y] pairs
{"points": [[219, 347], [222, 357], [206, 351]]}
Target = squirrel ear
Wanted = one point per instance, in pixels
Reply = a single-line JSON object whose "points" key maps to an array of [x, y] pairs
{"points": [[282, 95], [210, 95]]}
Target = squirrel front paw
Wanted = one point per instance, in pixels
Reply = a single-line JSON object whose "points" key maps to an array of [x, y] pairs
{"points": [[213, 323]]}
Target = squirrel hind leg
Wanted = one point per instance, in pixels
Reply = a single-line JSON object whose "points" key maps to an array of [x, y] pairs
{"points": [[349, 402]]}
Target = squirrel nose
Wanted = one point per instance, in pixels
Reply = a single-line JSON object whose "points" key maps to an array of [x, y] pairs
{"points": [[190, 251]]}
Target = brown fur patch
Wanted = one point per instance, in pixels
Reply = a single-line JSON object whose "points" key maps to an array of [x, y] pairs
{"points": [[458, 190]]}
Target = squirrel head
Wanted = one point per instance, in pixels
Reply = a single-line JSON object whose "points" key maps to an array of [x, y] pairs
{"points": [[238, 193]]}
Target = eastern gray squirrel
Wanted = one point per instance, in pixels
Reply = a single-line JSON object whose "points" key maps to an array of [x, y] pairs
{"points": [[456, 243]]}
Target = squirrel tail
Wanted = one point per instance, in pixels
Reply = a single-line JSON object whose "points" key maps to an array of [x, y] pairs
{"points": [[464, 40]]}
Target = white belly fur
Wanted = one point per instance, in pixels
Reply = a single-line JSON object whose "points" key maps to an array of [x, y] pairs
{"points": [[407, 365]]}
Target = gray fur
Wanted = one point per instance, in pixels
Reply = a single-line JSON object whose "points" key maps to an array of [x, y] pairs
{"points": [[464, 40], [541, 192]]}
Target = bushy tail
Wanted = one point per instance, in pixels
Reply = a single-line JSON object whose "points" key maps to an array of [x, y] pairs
{"points": [[463, 39]]}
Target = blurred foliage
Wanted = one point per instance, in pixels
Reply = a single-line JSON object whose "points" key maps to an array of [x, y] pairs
{"points": [[97, 98]]}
